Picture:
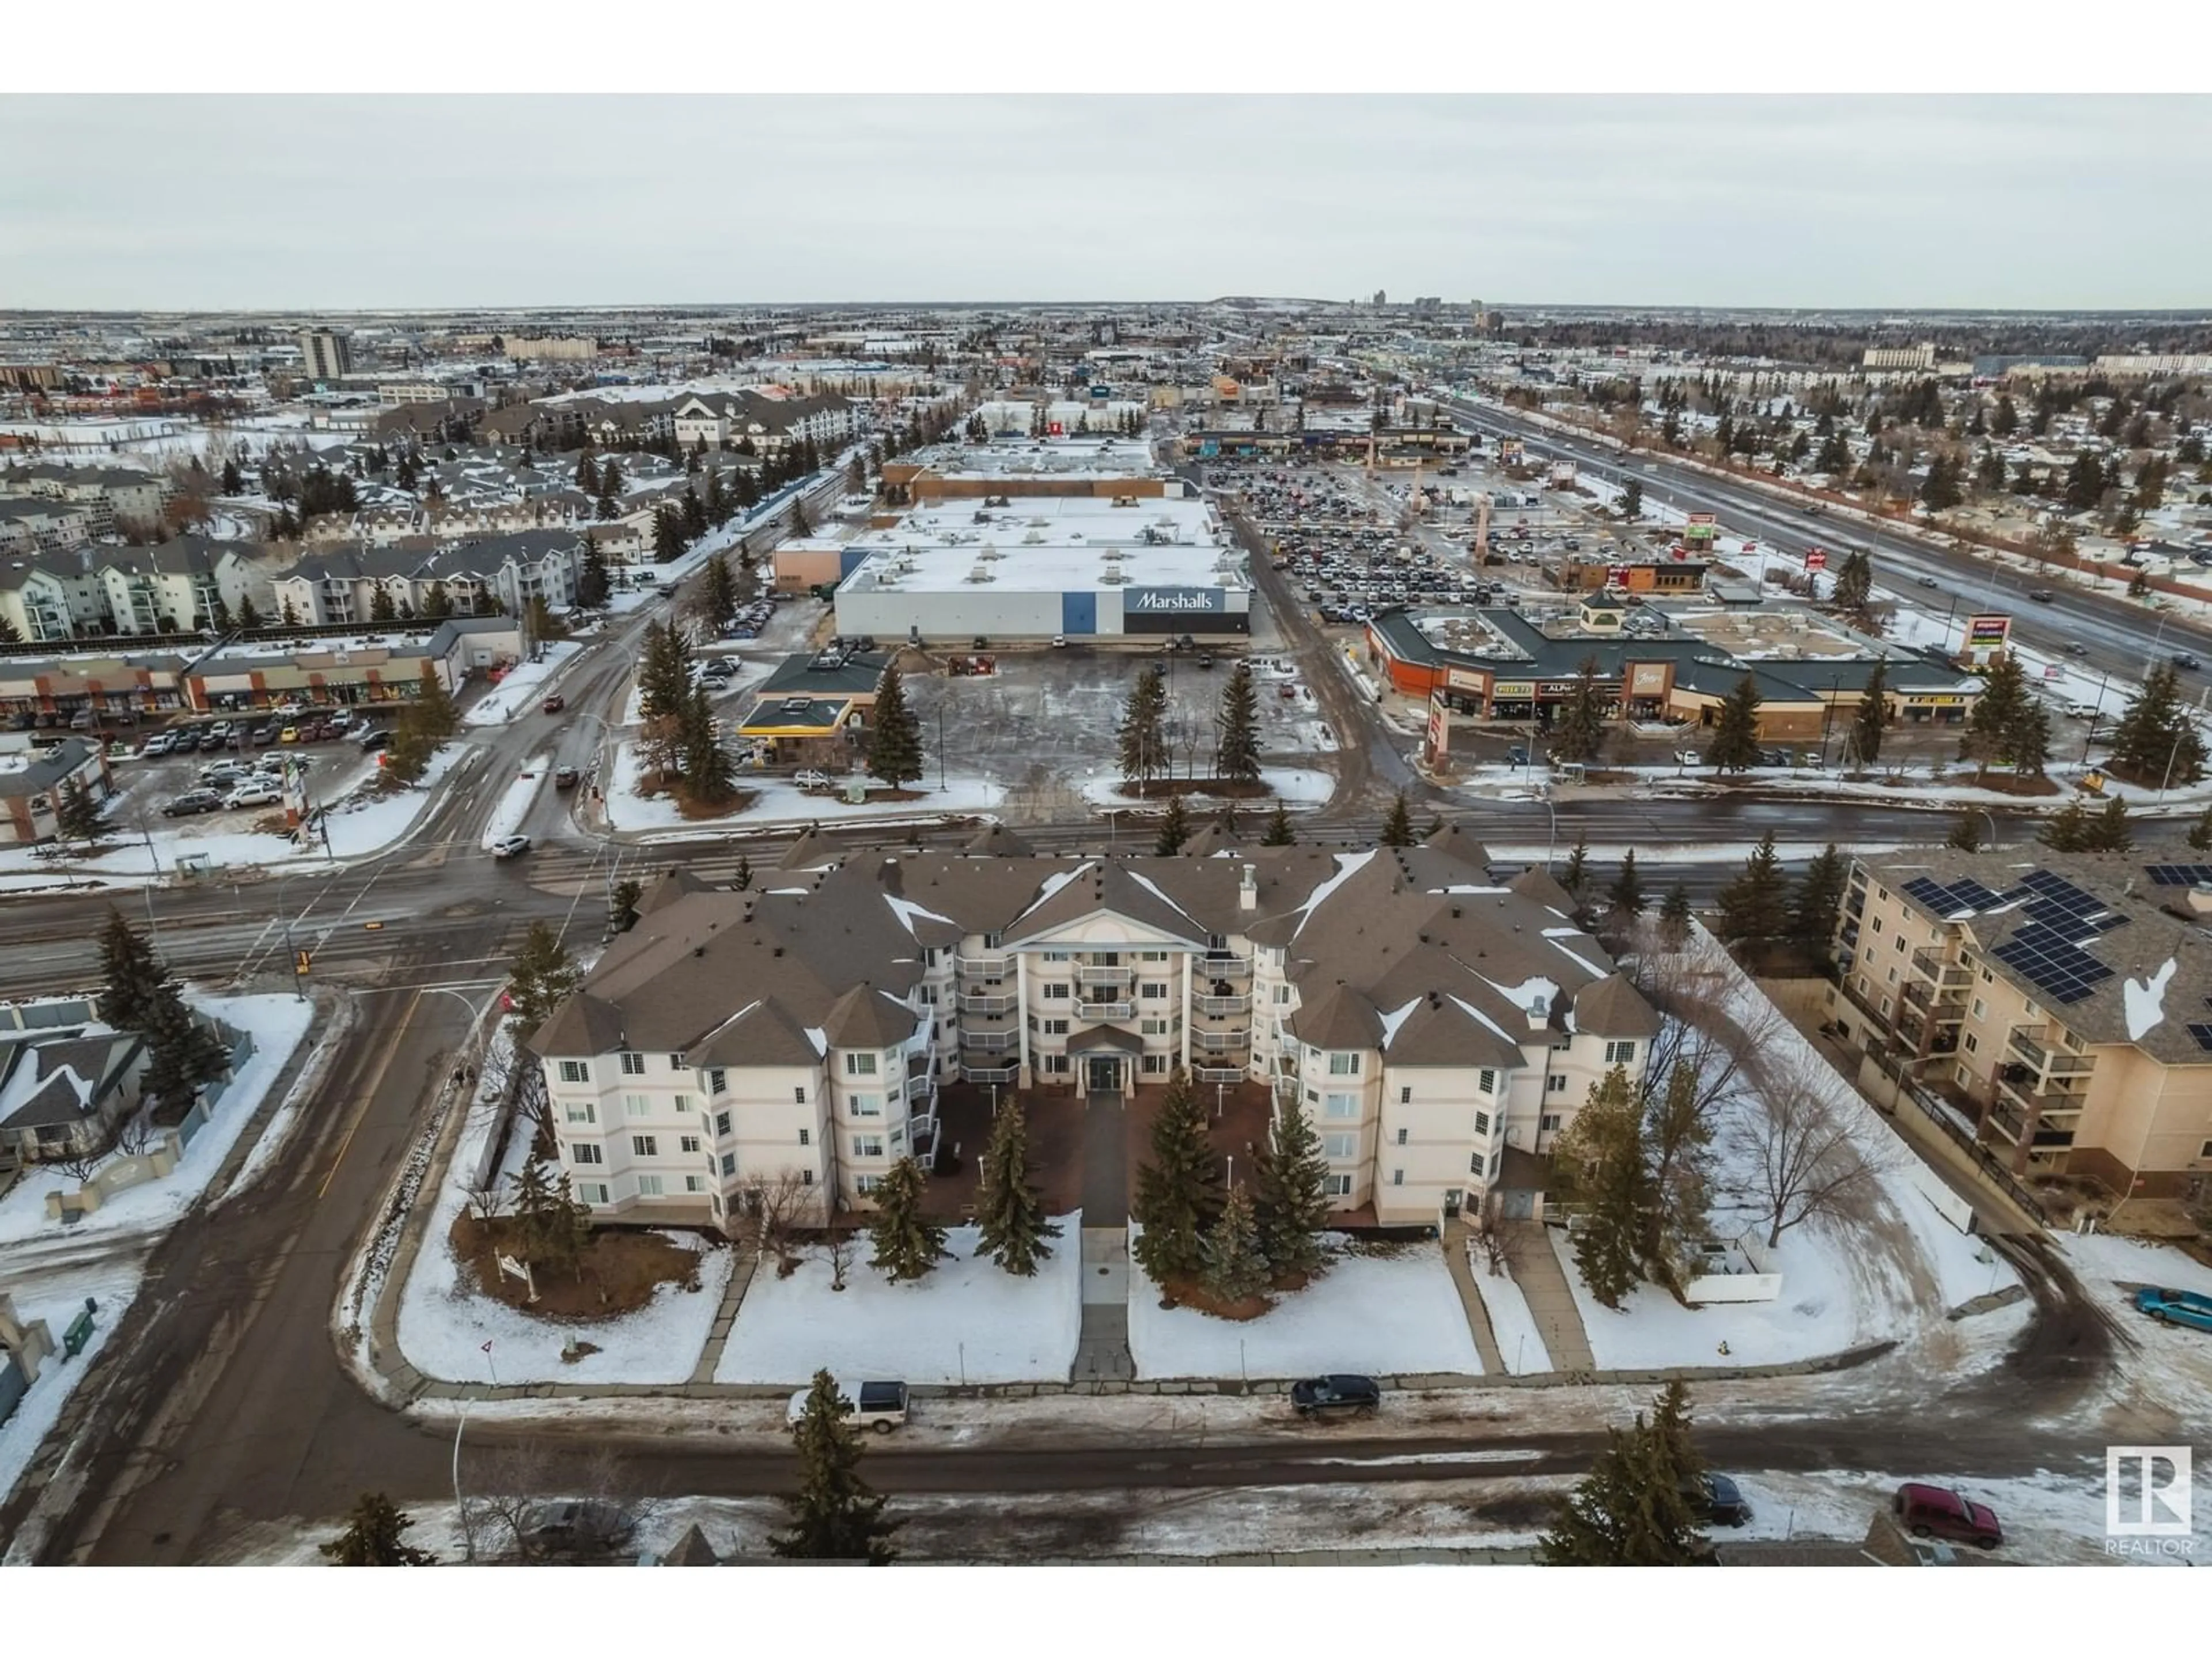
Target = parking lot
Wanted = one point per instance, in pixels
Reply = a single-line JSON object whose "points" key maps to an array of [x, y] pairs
{"points": [[227, 769]]}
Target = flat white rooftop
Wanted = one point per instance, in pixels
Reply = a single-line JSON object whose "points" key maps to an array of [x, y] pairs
{"points": [[1051, 543], [1036, 458]]}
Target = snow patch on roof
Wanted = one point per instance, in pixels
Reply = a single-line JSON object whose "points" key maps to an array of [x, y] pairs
{"points": [[1391, 1021], [1474, 1012], [1150, 886], [1533, 994], [906, 911], [2145, 1002], [1055, 882], [1348, 864], [1472, 889], [1559, 936], [819, 1038]]}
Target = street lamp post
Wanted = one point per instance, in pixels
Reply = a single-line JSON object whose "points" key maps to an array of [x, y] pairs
{"points": [[460, 1503]]}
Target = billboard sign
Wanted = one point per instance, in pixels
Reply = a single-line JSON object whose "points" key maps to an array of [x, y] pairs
{"points": [[1510, 451], [1988, 633], [1176, 601], [1439, 728], [1463, 679], [1815, 559], [1513, 690]]}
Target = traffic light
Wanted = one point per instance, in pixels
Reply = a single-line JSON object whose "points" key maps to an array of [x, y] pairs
{"points": [[300, 960]]}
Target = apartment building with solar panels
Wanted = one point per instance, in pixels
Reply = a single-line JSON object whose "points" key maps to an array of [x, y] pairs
{"points": [[2059, 1004]]}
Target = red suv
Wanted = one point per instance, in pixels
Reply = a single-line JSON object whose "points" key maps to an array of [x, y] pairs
{"points": [[1938, 1512]]}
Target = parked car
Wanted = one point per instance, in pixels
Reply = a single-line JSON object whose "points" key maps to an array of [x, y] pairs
{"points": [[812, 779], [1336, 1396], [1927, 1511], [375, 739], [1059, 641], [2176, 1308], [510, 847], [1518, 754], [191, 803], [565, 778], [254, 792], [160, 743], [263, 736], [1721, 1501], [880, 1407], [575, 1531], [554, 704]]}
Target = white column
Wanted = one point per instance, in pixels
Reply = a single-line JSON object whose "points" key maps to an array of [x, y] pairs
{"points": [[1187, 958], [1021, 1016]]}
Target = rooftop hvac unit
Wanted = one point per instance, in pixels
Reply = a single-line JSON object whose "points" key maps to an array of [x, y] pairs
{"points": [[1040, 524], [1112, 578], [980, 574], [1034, 538], [990, 553]]}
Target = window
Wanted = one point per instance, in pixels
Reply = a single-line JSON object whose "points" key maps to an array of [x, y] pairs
{"points": [[1482, 1123], [1057, 993], [898, 1140], [1153, 1027], [1397, 1177], [1877, 924], [1620, 1053], [1055, 1028], [1151, 955], [1060, 956], [645, 1145], [1897, 944], [1497, 1158], [864, 1184], [1548, 1124], [928, 994], [1340, 1148], [648, 1186], [1155, 1063], [864, 1105], [1406, 1095], [688, 1142], [575, 1071], [806, 1177], [1401, 1137], [581, 1111], [1555, 1084], [2205, 1151], [859, 1065], [584, 1151], [595, 1191], [1486, 1081], [1978, 1008], [718, 1082], [868, 1146], [636, 1106], [798, 1095], [1282, 993], [1055, 1062], [721, 1123], [1475, 1164], [729, 1164], [1341, 1106], [1344, 1064], [695, 1183], [1986, 980], [1153, 991], [806, 1137], [1337, 1186], [633, 1064], [682, 1102], [676, 1063], [1892, 980], [1973, 1044]]}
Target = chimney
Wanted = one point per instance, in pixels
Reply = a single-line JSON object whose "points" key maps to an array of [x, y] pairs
{"points": [[1540, 1011], [1247, 888]]}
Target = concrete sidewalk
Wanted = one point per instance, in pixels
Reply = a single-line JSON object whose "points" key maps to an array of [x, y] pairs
{"points": [[1457, 1237], [1543, 1284]]}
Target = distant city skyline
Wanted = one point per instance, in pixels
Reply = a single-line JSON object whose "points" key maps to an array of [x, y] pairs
{"points": [[1960, 205]]}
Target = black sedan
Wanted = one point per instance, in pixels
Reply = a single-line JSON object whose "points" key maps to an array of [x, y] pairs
{"points": [[1720, 1502], [1336, 1396]]}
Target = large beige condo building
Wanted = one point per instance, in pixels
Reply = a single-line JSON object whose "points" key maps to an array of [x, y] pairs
{"points": [[1427, 1015], [2062, 1001]]}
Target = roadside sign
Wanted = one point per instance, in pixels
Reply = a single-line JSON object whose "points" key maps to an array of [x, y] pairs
{"points": [[1815, 559], [2052, 670]]}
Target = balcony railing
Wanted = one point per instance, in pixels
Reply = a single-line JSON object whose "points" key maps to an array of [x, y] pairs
{"points": [[1222, 1005], [1218, 1073], [1948, 1002], [2055, 1062], [989, 1003], [1105, 1010], [2042, 1102], [1222, 1041], [1941, 969], [1222, 966], [1093, 974], [990, 1074], [985, 967], [989, 1042]]}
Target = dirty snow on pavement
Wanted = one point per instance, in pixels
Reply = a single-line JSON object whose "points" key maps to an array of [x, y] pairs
{"points": [[1374, 1313], [445, 1321], [516, 803], [59, 1299], [968, 1320], [1520, 1342]]}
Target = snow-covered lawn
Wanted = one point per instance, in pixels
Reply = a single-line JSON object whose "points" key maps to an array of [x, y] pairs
{"points": [[2173, 1363], [515, 804], [1294, 786], [626, 808], [1380, 1314], [57, 1300], [277, 1023], [968, 1321], [1520, 1343], [521, 687], [444, 1321]]}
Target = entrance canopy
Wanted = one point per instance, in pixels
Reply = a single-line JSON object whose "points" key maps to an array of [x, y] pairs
{"points": [[1103, 1039]]}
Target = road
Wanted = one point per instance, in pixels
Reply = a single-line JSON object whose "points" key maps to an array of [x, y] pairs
{"points": [[2119, 636]]}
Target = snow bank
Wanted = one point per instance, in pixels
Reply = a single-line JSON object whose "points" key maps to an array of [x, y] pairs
{"points": [[519, 688], [515, 804], [1374, 1313], [968, 1321], [1520, 1342], [626, 808], [57, 1300]]}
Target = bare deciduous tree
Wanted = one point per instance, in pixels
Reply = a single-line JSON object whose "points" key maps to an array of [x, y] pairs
{"points": [[1490, 1232], [519, 1508], [843, 1249], [137, 1133], [79, 1164], [483, 1202], [1803, 1160], [766, 1212]]}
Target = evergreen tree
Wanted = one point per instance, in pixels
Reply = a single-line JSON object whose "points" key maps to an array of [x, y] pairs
{"points": [[1575, 873], [742, 882], [380, 607], [182, 1053], [1853, 593], [234, 481], [610, 480], [1238, 728], [621, 904], [2069, 828], [718, 594], [374, 1535], [835, 1515], [906, 1246], [667, 534], [1011, 1225], [2200, 833], [1398, 827], [588, 474], [437, 603], [1233, 1266], [1966, 833], [76, 814], [1735, 747], [540, 978], [2109, 831], [717, 499], [1754, 905], [895, 740], [799, 527], [708, 779], [1939, 490], [129, 973], [1579, 732], [1640, 1505], [2005, 420], [1600, 1160], [2156, 741], [542, 623], [1142, 748], [408, 755], [1627, 889], [1280, 833], [1872, 719], [2001, 726], [694, 514], [433, 708], [1175, 829], [1632, 499], [1178, 1189], [1289, 1195], [1675, 918], [1819, 896]]}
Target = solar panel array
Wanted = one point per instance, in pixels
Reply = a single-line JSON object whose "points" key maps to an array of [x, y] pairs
{"points": [[2203, 1035], [2051, 951], [2179, 875], [1963, 895]]}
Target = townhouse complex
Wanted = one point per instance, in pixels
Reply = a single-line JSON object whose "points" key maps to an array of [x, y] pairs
{"points": [[2062, 1002], [1427, 1015]]}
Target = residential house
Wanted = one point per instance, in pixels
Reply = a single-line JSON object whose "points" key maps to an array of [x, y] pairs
{"points": [[38, 523], [109, 494], [63, 1094], [1425, 1015], [339, 589], [183, 586], [31, 787]]}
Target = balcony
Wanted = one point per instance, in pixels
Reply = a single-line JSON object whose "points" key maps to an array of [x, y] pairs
{"points": [[1092, 974], [2041, 1104], [990, 1042], [988, 1003], [1947, 1003], [985, 967], [1097, 1011], [1221, 965], [1222, 1041], [1941, 970], [1227, 1074], [1222, 1005], [2050, 1061], [990, 1074]]}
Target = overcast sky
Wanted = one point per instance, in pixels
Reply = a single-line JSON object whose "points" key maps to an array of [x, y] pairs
{"points": [[336, 203]]}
